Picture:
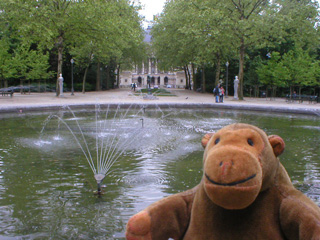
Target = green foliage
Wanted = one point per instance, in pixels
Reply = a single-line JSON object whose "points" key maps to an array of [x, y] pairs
{"points": [[101, 30], [89, 87], [204, 33], [272, 73], [294, 69], [23, 63], [208, 32], [5, 57], [301, 68]]}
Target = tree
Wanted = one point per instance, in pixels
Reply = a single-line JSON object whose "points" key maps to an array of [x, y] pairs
{"points": [[299, 20], [63, 24], [301, 69], [118, 35], [272, 73], [173, 45], [29, 64], [5, 56], [247, 20]]}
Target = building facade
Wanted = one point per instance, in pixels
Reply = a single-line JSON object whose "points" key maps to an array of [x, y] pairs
{"points": [[149, 70]]}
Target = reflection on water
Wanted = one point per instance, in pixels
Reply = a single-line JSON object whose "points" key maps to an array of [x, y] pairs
{"points": [[46, 185]]}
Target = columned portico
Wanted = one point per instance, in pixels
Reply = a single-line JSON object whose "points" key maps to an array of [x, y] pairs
{"points": [[150, 67]]}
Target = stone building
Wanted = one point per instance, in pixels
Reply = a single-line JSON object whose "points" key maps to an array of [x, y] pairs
{"points": [[149, 70]]}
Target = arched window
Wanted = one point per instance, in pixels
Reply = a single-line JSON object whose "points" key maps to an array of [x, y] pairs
{"points": [[166, 80]]}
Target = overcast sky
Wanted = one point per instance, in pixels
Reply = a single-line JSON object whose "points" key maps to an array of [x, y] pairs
{"points": [[151, 7]]}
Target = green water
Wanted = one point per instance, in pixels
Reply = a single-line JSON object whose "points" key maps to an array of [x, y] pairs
{"points": [[46, 185]]}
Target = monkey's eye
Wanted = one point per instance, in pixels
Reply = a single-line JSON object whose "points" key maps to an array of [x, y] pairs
{"points": [[217, 141], [250, 142]]}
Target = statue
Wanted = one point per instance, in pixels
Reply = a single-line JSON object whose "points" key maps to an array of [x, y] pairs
{"points": [[236, 83], [60, 80]]}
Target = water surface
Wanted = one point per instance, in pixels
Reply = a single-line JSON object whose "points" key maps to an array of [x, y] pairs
{"points": [[46, 184]]}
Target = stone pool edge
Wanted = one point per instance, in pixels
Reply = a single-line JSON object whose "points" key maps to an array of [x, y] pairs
{"points": [[247, 107]]}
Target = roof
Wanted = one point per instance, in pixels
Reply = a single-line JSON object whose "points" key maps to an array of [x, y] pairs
{"points": [[147, 36]]}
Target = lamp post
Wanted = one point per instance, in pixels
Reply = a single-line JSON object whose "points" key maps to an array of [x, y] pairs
{"points": [[227, 65], [72, 90]]}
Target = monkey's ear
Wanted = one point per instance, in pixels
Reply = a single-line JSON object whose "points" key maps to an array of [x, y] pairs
{"points": [[277, 144], [206, 139]]}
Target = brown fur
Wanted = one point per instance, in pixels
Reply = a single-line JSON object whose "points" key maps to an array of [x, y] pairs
{"points": [[245, 193]]}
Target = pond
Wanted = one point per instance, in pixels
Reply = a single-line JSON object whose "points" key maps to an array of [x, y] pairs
{"points": [[47, 185]]}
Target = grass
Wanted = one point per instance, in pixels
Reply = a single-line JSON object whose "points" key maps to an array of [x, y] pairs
{"points": [[156, 92]]}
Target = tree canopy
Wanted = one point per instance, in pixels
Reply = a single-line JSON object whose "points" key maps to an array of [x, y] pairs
{"points": [[39, 37], [210, 32], [102, 30]]}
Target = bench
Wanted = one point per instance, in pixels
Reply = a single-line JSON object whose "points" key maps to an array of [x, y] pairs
{"points": [[313, 99], [301, 98], [6, 93]]}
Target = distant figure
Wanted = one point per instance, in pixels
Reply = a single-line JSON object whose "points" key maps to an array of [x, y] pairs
{"points": [[236, 83], [221, 93], [216, 91], [294, 94]]}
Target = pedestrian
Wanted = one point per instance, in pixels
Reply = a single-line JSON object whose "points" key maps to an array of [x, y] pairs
{"points": [[216, 92], [221, 94]]}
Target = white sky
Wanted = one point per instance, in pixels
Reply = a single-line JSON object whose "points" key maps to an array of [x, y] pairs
{"points": [[151, 7]]}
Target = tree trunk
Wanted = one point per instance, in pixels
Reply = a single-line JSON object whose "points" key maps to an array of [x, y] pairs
{"points": [[256, 91], [186, 75], [84, 80], [118, 76], [189, 78], [108, 75], [98, 80], [203, 78], [241, 69], [218, 67], [193, 77], [60, 61]]}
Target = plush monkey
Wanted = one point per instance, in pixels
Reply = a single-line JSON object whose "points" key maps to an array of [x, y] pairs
{"points": [[245, 193]]}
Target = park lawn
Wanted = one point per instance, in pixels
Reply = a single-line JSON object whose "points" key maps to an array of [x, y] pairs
{"points": [[156, 92]]}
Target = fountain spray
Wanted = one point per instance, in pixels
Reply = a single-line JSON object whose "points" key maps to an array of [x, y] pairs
{"points": [[99, 178]]}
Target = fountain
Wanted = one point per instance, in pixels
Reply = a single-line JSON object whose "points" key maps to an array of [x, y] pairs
{"points": [[46, 183], [149, 96], [112, 136]]}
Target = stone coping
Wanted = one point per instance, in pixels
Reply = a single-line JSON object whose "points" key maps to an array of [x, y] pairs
{"points": [[185, 99]]}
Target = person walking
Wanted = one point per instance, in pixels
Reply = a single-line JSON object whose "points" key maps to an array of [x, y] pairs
{"points": [[216, 92], [221, 92]]}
